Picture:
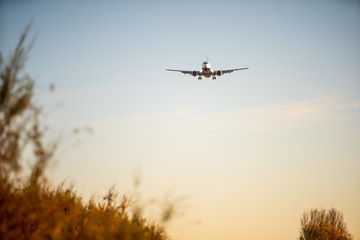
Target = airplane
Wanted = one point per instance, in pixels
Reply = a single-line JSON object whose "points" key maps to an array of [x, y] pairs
{"points": [[207, 71]]}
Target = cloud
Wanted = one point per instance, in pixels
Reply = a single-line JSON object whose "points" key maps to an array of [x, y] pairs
{"points": [[321, 109], [317, 111]]}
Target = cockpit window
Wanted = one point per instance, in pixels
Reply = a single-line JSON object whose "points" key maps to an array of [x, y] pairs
{"points": [[206, 65]]}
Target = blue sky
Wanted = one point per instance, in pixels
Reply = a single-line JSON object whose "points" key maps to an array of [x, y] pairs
{"points": [[253, 146]]}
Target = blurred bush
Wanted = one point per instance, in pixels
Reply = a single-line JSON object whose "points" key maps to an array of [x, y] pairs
{"points": [[319, 224], [30, 207]]}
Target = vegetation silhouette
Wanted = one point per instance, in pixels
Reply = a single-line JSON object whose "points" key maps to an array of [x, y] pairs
{"points": [[319, 224], [30, 207]]}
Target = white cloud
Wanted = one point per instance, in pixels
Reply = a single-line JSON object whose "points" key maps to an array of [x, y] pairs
{"points": [[320, 110]]}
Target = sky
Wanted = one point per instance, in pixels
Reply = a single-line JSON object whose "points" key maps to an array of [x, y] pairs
{"points": [[241, 157]]}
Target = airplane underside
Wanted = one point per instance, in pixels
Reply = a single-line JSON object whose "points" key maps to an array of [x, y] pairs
{"points": [[213, 78], [207, 74]]}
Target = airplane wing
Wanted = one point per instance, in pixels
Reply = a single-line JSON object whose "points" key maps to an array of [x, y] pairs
{"points": [[230, 70], [193, 73]]}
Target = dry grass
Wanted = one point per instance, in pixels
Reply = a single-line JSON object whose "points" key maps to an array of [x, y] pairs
{"points": [[30, 207], [40, 212]]}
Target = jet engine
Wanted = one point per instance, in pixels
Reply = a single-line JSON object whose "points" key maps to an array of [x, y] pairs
{"points": [[194, 73], [218, 73]]}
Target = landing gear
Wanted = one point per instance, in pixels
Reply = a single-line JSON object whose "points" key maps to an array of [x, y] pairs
{"points": [[214, 78], [199, 78]]}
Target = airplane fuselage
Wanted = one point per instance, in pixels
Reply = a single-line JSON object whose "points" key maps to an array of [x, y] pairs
{"points": [[206, 69]]}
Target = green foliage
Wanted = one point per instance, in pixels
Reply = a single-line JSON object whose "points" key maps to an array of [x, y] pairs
{"points": [[323, 225], [30, 208]]}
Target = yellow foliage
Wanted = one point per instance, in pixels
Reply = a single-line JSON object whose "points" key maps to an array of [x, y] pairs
{"points": [[38, 212], [323, 225]]}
